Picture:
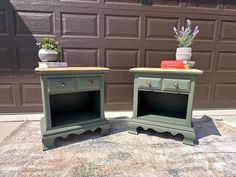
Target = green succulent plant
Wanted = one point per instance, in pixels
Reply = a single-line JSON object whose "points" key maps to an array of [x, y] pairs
{"points": [[50, 44]]}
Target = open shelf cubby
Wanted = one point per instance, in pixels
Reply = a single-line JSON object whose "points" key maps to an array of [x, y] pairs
{"points": [[162, 104], [71, 108]]}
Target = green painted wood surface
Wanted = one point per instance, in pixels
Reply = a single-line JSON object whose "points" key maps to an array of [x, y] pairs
{"points": [[168, 107], [179, 85], [167, 71], [61, 84], [148, 83], [72, 103]]}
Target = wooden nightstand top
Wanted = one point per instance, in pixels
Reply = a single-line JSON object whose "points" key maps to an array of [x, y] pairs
{"points": [[167, 71], [65, 70]]}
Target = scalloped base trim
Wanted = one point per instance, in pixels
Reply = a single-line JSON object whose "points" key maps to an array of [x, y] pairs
{"points": [[48, 141], [187, 132]]}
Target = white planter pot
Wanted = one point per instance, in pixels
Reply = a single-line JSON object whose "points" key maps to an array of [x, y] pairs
{"points": [[183, 53], [46, 55]]}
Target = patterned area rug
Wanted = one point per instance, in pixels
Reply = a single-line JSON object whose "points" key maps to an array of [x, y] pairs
{"points": [[148, 154]]}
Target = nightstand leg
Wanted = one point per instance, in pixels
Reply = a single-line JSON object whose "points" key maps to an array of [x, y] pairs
{"points": [[132, 130], [189, 138], [188, 142], [48, 143], [104, 132]]}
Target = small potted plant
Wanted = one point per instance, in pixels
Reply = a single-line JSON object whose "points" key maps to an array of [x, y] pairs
{"points": [[48, 51], [185, 38]]}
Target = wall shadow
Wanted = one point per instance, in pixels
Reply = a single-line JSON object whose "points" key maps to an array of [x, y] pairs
{"points": [[204, 127], [18, 58], [20, 29]]}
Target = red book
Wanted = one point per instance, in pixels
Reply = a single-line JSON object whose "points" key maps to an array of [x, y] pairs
{"points": [[172, 64], [169, 67]]}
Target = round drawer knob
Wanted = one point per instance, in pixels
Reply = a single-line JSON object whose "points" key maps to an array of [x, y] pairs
{"points": [[91, 83], [63, 84], [149, 84], [176, 84]]}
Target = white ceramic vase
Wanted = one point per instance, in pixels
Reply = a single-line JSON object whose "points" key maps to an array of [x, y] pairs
{"points": [[46, 55], [183, 53]]}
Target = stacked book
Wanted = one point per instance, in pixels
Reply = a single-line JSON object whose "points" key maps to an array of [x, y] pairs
{"points": [[177, 64], [52, 64]]}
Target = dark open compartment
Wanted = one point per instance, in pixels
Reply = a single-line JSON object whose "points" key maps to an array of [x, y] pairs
{"points": [[69, 108], [162, 104]]}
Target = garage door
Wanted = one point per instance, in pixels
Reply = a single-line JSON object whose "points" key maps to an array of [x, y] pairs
{"points": [[119, 34]]}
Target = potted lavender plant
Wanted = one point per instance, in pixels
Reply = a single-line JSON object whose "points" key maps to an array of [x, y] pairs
{"points": [[185, 38]]}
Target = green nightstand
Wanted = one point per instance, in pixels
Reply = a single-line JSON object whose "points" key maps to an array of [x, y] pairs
{"points": [[73, 102], [163, 100]]}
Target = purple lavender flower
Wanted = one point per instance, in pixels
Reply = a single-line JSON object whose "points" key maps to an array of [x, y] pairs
{"points": [[195, 33], [185, 36], [188, 22], [181, 33], [175, 30], [187, 31]]}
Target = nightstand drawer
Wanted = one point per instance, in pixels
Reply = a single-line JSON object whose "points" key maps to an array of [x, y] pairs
{"points": [[89, 82], [178, 85], [61, 84], [151, 83]]}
